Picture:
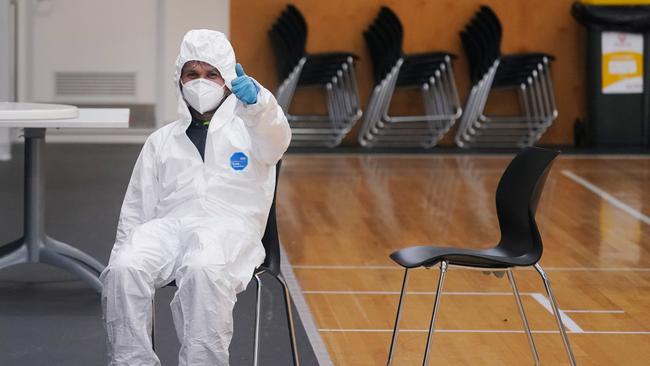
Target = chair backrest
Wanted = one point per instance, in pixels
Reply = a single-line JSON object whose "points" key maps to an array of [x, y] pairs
{"points": [[288, 36], [383, 39], [517, 196], [280, 51], [472, 57], [271, 239], [485, 35], [388, 14], [375, 58], [492, 17], [481, 40], [300, 24], [286, 28]]}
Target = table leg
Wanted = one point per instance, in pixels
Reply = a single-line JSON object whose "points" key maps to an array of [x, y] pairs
{"points": [[34, 210], [74, 253], [51, 257], [36, 246], [13, 253]]}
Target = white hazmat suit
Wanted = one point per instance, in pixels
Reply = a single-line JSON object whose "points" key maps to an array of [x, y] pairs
{"points": [[198, 222]]}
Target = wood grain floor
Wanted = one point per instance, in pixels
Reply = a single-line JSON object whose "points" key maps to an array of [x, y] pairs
{"points": [[340, 216]]}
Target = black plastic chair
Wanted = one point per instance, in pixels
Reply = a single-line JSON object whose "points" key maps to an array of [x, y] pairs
{"points": [[430, 73], [271, 265], [521, 245], [526, 73], [332, 72], [418, 67]]}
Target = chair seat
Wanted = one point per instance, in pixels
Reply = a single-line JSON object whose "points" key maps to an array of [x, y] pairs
{"points": [[336, 55], [527, 56], [427, 256], [426, 58]]}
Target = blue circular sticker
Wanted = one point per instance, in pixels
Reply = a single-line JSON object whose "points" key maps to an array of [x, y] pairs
{"points": [[238, 161]]}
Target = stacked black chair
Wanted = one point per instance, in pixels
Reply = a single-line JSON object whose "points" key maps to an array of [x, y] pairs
{"points": [[333, 71], [271, 265], [528, 73], [431, 73], [517, 196]]}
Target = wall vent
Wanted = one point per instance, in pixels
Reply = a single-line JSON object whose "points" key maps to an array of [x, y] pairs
{"points": [[95, 84]]}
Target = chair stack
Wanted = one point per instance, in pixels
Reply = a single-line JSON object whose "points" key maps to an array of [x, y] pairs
{"points": [[334, 72], [527, 73], [431, 73]]}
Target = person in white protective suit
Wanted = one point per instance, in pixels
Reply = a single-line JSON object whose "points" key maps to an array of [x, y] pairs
{"points": [[195, 209]]}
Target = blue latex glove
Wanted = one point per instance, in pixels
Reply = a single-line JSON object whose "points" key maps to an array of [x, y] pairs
{"points": [[244, 87]]}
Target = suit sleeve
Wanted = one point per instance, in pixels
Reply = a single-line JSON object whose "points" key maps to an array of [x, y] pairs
{"points": [[267, 125], [141, 195]]}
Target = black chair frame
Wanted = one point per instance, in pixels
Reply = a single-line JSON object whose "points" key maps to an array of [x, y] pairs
{"points": [[521, 245]]}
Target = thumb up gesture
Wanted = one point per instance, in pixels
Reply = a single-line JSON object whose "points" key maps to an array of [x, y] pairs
{"points": [[244, 87]]}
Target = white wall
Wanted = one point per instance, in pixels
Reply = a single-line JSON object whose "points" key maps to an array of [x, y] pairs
{"points": [[140, 36], [7, 55], [93, 36], [178, 18]]}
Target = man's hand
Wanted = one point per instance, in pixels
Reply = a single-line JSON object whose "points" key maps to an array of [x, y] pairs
{"points": [[244, 87]]}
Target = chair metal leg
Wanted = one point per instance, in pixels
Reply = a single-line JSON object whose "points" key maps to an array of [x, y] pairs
{"points": [[436, 303], [393, 342], [257, 318], [556, 312], [524, 319], [292, 331], [153, 323]]}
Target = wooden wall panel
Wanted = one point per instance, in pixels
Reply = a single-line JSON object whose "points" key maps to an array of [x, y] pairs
{"points": [[529, 25]]}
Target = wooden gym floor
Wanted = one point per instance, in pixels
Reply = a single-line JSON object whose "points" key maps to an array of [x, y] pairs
{"points": [[340, 216]]}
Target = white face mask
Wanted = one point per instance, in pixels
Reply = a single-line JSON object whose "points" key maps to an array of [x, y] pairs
{"points": [[202, 94]]}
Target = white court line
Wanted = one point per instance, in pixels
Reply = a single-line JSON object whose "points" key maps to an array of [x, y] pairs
{"points": [[607, 197], [541, 299], [351, 330], [606, 156], [454, 293], [568, 322], [429, 293], [597, 269], [547, 269], [405, 155], [596, 311], [317, 266], [483, 155]]}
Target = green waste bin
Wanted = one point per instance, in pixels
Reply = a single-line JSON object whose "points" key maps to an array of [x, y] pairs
{"points": [[618, 73]]}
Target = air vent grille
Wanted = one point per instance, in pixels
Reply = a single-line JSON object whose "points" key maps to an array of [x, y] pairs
{"points": [[95, 84]]}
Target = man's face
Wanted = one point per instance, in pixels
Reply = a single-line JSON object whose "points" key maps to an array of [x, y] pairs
{"points": [[198, 69]]}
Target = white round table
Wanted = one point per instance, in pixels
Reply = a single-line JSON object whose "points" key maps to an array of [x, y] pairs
{"points": [[10, 111], [36, 246]]}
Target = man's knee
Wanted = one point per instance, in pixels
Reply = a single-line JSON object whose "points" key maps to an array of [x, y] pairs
{"points": [[202, 269], [201, 265], [126, 267]]}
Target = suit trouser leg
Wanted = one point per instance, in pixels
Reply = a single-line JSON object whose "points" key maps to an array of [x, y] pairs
{"points": [[147, 260], [218, 262]]}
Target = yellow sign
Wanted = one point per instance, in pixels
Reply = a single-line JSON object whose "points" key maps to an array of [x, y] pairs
{"points": [[622, 63]]}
